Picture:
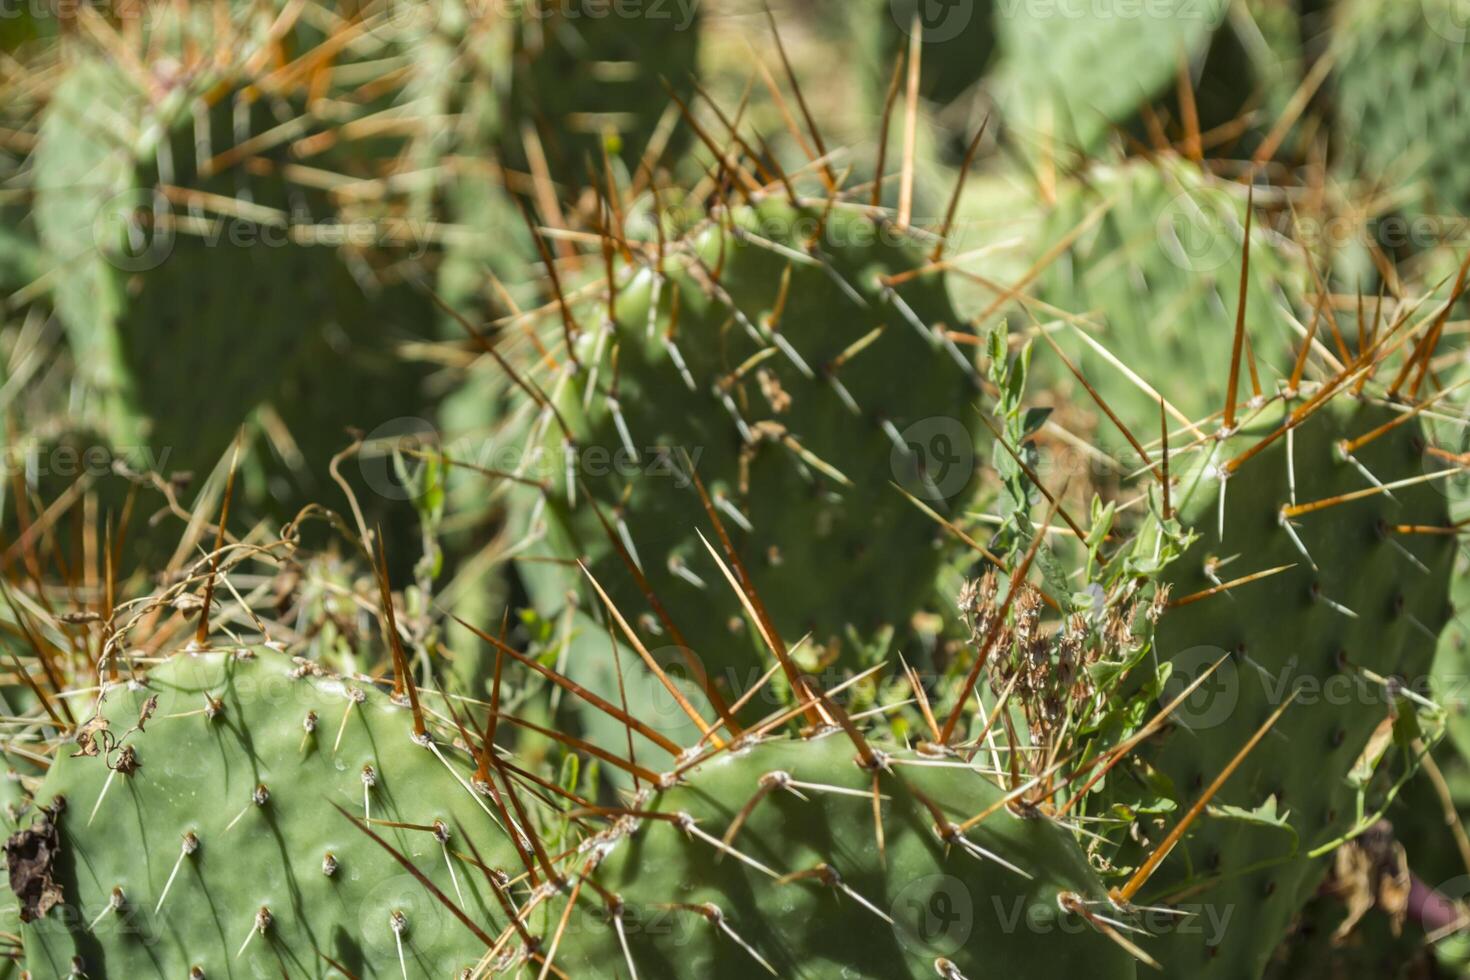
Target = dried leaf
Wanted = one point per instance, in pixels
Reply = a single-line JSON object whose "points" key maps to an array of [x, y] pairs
{"points": [[149, 707], [91, 737], [31, 857]]}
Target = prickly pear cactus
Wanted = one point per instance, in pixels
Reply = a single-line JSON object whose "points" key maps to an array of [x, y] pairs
{"points": [[1398, 82], [1337, 936], [142, 277], [198, 270], [958, 43], [585, 83], [1152, 265], [1055, 66], [1059, 67], [1452, 662], [461, 70], [1349, 615], [20, 260], [1254, 66], [372, 387], [202, 837], [19, 263], [136, 287], [801, 387], [1449, 440], [193, 833], [803, 890]]}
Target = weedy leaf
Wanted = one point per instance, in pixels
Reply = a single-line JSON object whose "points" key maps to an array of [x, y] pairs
{"points": [[1406, 727], [570, 772], [1268, 814], [1054, 575], [1034, 419], [997, 348]]}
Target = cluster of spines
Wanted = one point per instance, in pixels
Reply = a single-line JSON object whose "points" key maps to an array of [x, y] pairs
{"points": [[568, 358]]}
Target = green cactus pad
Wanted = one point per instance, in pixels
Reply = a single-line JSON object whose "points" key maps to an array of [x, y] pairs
{"points": [[958, 44], [1452, 662], [1372, 606], [1157, 278], [589, 78], [798, 427], [180, 332], [228, 782], [1060, 68], [1449, 434], [19, 257], [944, 902], [196, 774], [1399, 86], [1055, 66], [201, 264]]}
